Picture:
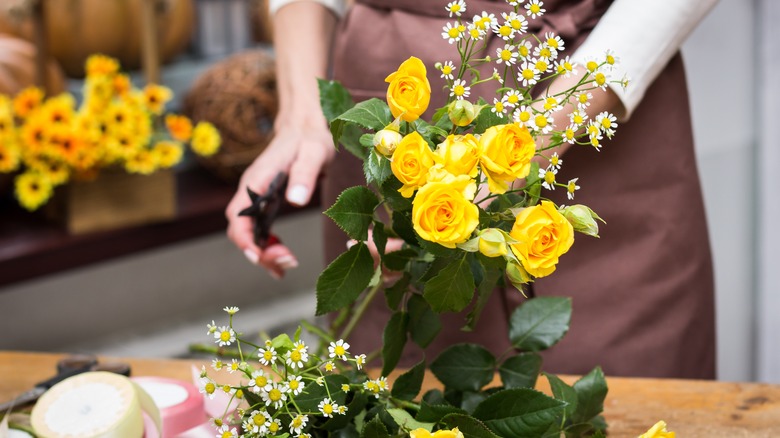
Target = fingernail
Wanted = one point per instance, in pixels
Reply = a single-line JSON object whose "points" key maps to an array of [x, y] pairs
{"points": [[251, 256], [286, 262], [351, 243], [274, 275], [298, 194]]}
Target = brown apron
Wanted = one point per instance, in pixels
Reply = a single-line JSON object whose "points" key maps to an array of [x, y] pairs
{"points": [[642, 293]]}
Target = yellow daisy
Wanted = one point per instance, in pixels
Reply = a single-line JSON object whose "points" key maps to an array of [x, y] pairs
{"points": [[27, 101], [9, 158], [35, 134], [101, 65], [32, 190], [205, 139], [143, 162], [57, 172], [59, 110], [168, 153], [180, 127], [122, 84], [156, 96]]}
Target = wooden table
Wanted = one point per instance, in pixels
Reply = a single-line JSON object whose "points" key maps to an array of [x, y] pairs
{"points": [[691, 408]]}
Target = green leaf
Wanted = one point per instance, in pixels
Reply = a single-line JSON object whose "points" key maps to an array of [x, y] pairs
{"points": [[395, 293], [353, 211], [406, 421], [393, 341], [520, 371], [393, 197], [350, 139], [371, 114], [451, 289], [437, 250], [355, 407], [488, 118], [375, 429], [380, 238], [397, 260], [484, 291], [402, 226], [540, 323], [367, 141], [471, 399], [591, 391], [344, 279], [519, 413], [312, 394], [348, 431], [334, 99], [534, 183], [282, 343], [469, 426], [408, 384], [434, 413], [433, 134], [440, 114], [563, 392], [465, 367], [424, 323], [376, 167]]}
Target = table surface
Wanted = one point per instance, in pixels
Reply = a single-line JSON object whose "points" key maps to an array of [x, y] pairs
{"points": [[691, 408]]}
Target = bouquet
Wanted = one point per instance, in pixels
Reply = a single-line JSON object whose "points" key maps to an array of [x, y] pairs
{"points": [[50, 141], [466, 195]]}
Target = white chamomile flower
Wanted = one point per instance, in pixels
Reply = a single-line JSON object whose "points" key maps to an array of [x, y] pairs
{"points": [[499, 108], [329, 366], [596, 143], [594, 130], [268, 355], [524, 115], [534, 8], [552, 103], [564, 67], [545, 53], [231, 310], [258, 423], [452, 33], [320, 381], [233, 366], [571, 187], [515, 2], [360, 360], [553, 41], [456, 8], [328, 407], [497, 76], [217, 364], [601, 80], [583, 99], [506, 55], [382, 383], [548, 177], [504, 31], [474, 32], [592, 65], [224, 336], [295, 385], [459, 89], [542, 65], [274, 396], [259, 381], [345, 387], [226, 432], [274, 426], [484, 21], [342, 410], [528, 73], [227, 389], [518, 23], [556, 161], [578, 117], [570, 134], [611, 60], [207, 387], [372, 387], [338, 349], [298, 423], [524, 49], [211, 327], [512, 98], [607, 122], [447, 70], [296, 358], [301, 346], [542, 122], [625, 81]]}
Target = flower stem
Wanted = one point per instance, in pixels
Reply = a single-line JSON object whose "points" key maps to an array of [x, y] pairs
{"points": [[360, 310]]}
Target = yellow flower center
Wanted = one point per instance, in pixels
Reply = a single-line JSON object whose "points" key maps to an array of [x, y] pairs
{"points": [[555, 160], [453, 33], [339, 350], [261, 381], [297, 423], [259, 420], [459, 90], [294, 384], [327, 408], [571, 187], [275, 395], [591, 66], [273, 427], [528, 73], [210, 388], [446, 70], [505, 31], [268, 355], [474, 33], [524, 116], [239, 393], [227, 434], [226, 388], [224, 336], [295, 355], [506, 55], [606, 123], [516, 24], [583, 98], [600, 78], [541, 65], [500, 106], [550, 103], [541, 121], [535, 9], [523, 51], [549, 177], [610, 60], [545, 53], [569, 134], [455, 8]]}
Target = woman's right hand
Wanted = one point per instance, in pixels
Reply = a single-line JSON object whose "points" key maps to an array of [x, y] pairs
{"points": [[299, 149]]}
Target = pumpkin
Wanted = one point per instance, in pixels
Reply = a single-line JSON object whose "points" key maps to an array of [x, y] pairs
{"points": [[18, 68], [76, 29]]}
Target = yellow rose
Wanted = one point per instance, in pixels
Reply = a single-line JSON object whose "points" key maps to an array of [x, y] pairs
{"points": [[658, 431], [542, 235], [410, 164], [442, 211], [422, 433], [505, 154], [459, 154], [409, 92]]}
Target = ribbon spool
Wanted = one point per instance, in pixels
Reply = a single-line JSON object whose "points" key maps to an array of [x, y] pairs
{"points": [[181, 405], [94, 405]]}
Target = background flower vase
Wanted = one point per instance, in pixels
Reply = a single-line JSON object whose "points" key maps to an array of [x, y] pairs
{"points": [[115, 200]]}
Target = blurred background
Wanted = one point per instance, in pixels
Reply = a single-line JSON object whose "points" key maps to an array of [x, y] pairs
{"points": [[149, 289]]}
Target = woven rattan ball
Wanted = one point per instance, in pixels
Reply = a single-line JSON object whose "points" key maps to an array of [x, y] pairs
{"points": [[238, 95]]}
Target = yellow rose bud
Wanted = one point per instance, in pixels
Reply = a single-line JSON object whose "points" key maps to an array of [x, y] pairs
{"points": [[492, 243], [462, 112], [658, 431], [422, 433], [409, 92], [583, 219], [442, 211], [386, 140], [517, 274], [410, 164], [459, 155], [542, 235], [505, 154]]}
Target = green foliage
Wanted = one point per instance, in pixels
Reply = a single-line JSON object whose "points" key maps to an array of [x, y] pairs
{"points": [[334, 99], [487, 118], [375, 429], [408, 384], [312, 394], [591, 391], [393, 341], [540, 323], [353, 211], [464, 367], [424, 323], [520, 371], [433, 413], [519, 413], [406, 421], [452, 288], [398, 260], [469, 426], [376, 167], [344, 279], [395, 293], [370, 114]]}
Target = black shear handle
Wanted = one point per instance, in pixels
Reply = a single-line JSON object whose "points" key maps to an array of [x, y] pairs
{"points": [[77, 364]]}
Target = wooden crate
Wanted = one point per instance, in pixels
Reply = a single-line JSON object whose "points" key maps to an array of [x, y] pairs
{"points": [[117, 200]]}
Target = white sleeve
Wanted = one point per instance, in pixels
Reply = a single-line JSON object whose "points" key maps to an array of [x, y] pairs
{"points": [[338, 7], [644, 36]]}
